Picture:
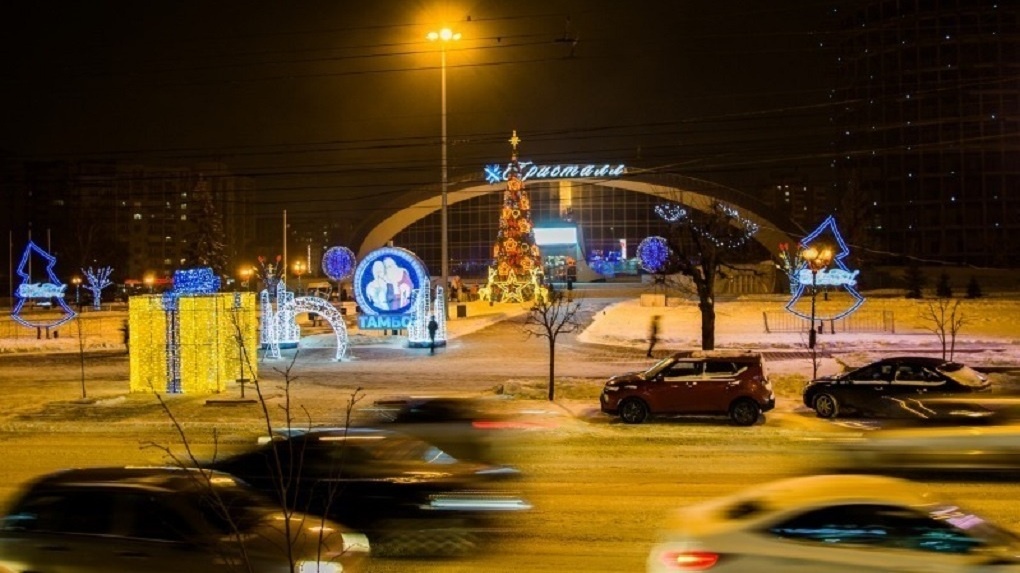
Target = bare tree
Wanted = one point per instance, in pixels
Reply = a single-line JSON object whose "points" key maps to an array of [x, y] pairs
{"points": [[944, 318], [285, 476], [548, 317], [702, 247]]}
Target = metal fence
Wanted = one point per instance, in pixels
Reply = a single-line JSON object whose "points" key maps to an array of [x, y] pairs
{"points": [[92, 326], [862, 321]]}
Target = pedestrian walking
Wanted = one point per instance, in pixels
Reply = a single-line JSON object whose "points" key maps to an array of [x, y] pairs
{"points": [[653, 334], [433, 327]]}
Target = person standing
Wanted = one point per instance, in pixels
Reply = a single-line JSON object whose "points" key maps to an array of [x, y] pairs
{"points": [[433, 327], [653, 334]]}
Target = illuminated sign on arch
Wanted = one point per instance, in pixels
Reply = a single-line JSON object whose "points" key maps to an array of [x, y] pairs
{"points": [[497, 173], [384, 285]]}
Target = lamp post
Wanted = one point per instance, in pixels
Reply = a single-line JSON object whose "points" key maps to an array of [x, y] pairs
{"points": [[299, 269], [77, 290], [444, 36], [245, 277], [149, 280], [816, 259]]}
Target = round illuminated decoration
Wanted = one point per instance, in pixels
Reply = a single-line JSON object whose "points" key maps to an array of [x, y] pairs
{"points": [[653, 252], [514, 184], [385, 281], [338, 263]]}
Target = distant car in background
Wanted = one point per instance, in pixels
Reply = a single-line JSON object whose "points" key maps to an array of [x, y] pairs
{"points": [[164, 520], [833, 524], [409, 496], [700, 382], [895, 387]]}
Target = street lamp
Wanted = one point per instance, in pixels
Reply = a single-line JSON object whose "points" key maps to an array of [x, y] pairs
{"points": [[77, 290], [299, 269], [444, 36], [149, 280], [245, 276], [816, 259]]}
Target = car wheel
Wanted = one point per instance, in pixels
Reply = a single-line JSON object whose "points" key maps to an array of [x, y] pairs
{"points": [[826, 406], [633, 411], [744, 412]]}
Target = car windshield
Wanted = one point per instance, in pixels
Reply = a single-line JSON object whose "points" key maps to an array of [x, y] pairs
{"points": [[400, 449], [975, 526], [658, 367], [963, 374]]}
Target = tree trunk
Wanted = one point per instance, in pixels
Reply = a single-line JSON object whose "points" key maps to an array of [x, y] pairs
{"points": [[552, 369], [707, 325]]}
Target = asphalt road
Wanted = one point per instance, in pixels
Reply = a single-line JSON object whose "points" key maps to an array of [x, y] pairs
{"points": [[600, 489]]}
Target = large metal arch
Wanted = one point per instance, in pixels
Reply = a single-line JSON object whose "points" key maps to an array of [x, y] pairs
{"points": [[774, 228]]}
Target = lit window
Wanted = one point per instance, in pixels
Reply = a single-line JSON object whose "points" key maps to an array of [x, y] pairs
{"points": [[138, 216], [184, 217], [184, 205]]}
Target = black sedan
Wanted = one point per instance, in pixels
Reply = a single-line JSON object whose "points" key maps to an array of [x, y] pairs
{"points": [[410, 497], [901, 387]]}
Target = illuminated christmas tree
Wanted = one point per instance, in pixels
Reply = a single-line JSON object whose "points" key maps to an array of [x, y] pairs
{"points": [[516, 275]]}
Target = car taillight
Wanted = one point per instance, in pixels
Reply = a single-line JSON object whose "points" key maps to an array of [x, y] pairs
{"points": [[689, 560]]}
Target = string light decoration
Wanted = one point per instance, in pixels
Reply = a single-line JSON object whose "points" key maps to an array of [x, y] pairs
{"points": [[841, 276], [653, 254], [288, 333], [98, 279], [338, 263], [515, 251], [791, 264], [267, 334], [45, 291], [424, 310], [200, 280], [188, 343], [670, 212]]}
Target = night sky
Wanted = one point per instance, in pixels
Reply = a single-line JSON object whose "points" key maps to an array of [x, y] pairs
{"points": [[326, 102]]}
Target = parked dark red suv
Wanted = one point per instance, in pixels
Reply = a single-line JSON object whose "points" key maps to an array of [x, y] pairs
{"points": [[700, 382]]}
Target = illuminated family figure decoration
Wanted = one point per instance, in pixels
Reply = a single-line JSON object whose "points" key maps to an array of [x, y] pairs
{"points": [[394, 291], [49, 293]]}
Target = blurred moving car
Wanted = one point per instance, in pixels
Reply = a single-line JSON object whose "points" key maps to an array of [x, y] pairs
{"points": [[410, 497], [965, 449], [833, 524], [700, 382], [163, 520], [894, 387], [456, 425]]}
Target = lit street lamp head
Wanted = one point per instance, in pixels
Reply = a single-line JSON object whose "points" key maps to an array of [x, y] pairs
{"points": [[445, 35], [817, 259]]}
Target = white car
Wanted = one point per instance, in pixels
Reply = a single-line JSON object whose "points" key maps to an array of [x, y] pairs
{"points": [[833, 524], [982, 448]]}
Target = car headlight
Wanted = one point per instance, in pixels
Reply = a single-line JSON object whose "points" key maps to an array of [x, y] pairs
{"points": [[611, 389]]}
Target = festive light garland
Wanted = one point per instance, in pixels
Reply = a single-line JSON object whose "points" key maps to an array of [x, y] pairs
{"points": [[98, 279], [653, 254], [29, 291], [338, 263]]}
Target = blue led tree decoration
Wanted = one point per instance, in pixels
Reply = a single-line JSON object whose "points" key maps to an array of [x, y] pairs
{"points": [[53, 290], [338, 263], [841, 276], [98, 279], [653, 253]]}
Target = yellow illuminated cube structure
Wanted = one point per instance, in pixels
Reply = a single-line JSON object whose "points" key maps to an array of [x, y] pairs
{"points": [[190, 344]]}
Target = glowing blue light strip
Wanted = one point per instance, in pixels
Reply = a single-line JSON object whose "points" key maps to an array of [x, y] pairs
{"points": [[844, 251], [496, 173], [52, 288]]}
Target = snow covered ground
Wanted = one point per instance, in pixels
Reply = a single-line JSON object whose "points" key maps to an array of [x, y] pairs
{"points": [[989, 335]]}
